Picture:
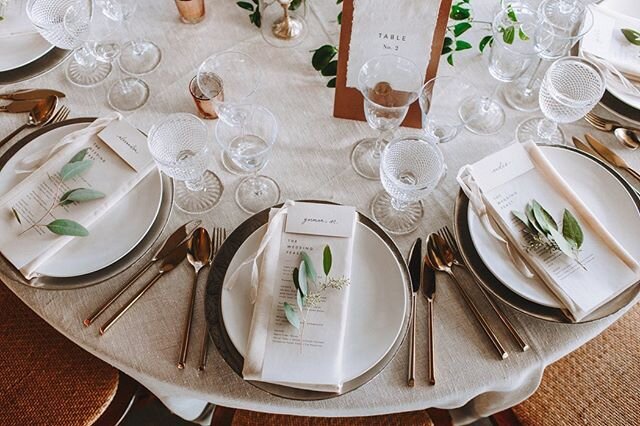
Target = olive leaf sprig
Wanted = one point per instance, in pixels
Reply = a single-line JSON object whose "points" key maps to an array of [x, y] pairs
{"points": [[632, 36], [543, 232], [255, 17], [304, 278], [75, 167]]}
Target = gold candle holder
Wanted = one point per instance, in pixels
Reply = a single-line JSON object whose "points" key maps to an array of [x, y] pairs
{"points": [[287, 27], [191, 11], [205, 105]]}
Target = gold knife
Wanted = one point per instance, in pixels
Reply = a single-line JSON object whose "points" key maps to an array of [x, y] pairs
{"points": [[611, 156], [585, 148]]}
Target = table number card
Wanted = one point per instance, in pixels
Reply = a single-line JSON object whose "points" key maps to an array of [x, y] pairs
{"points": [[413, 29]]}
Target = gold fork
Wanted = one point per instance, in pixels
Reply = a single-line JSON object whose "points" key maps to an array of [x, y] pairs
{"points": [[218, 237], [59, 116], [605, 124], [448, 237]]}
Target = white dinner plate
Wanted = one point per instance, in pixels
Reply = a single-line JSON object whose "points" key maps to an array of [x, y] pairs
{"points": [[113, 235], [377, 301], [598, 188]]}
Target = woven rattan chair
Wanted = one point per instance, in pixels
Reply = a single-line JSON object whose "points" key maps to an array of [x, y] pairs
{"points": [[45, 379], [598, 384]]}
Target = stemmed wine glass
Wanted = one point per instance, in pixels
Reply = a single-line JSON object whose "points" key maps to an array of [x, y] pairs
{"points": [[47, 16], [249, 146], [440, 102], [564, 23], [137, 56], [509, 56], [571, 87], [179, 144], [389, 84], [283, 23], [410, 169]]}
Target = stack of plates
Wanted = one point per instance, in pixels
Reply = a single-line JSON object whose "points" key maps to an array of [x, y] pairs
{"points": [[606, 193], [116, 240], [378, 313]]}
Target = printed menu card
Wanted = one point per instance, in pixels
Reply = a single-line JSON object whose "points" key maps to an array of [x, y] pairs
{"points": [[510, 179], [310, 356], [113, 162]]}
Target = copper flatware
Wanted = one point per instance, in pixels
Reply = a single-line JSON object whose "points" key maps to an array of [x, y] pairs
{"points": [[584, 147], [39, 115], [20, 106], [179, 236], [30, 94], [611, 156], [168, 264], [428, 286], [415, 269]]}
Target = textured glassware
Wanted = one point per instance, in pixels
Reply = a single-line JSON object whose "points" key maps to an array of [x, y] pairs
{"points": [[282, 22], [389, 84], [564, 23], [410, 169], [250, 147], [179, 144], [191, 11], [440, 102], [47, 16], [571, 87], [509, 55]]}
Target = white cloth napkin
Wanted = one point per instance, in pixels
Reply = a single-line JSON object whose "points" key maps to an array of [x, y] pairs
{"points": [[492, 186], [109, 174]]}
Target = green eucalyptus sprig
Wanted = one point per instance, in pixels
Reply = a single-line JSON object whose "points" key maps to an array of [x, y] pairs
{"points": [[632, 36], [255, 17], [543, 232], [75, 167], [309, 288]]}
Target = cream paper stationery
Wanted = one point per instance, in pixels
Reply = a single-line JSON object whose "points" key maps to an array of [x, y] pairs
{"points": [[507, 181], [276, 352], [31, 198]]}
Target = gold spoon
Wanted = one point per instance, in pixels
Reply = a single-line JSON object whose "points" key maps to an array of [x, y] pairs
{"points": [[39, 115], [199, 255], [441, 259], [627, 137]]}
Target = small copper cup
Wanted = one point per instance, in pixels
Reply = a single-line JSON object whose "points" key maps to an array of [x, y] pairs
{"points": [[204, 105], [191, 11]]}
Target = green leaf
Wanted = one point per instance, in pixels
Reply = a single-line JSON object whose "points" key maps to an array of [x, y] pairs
{"points": [[338, 1], [255, 18], [462, 45], [532, 219], [508, 34], [256, 2], [486, 40], [543, 218], [561, 242], [80, 195], [461, 28], [339, 18], [571, 230], [292, 315], [448, 41], [330, 70], [302, 279], [326, 260], [295, 4], [16, 215], [245, 5], [632, 35], [295, 278], [446, 50], [521, 217], [450, 59], [67, 227], [332, 82], [459, 13], [71, 170], [79, 156], [309, 268], [521, 35], [512, 14], [322, 56], [300, 300]]}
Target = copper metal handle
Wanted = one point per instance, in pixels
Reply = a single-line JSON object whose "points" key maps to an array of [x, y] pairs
{"points": [[411, 379], [204, 349], [514, 333], [107, 325], [633, 173], [432, 376], [87, 322], [485, 326], [187, 329]]}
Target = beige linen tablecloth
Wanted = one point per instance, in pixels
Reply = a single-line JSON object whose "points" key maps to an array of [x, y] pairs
{"points": [[311, 161]]}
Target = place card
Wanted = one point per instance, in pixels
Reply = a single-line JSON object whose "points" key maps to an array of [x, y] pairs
{"points": [[408, 28], [129, 143], [320, 219]]}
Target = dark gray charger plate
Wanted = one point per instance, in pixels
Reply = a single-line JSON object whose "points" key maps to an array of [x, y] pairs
{"points": [[52, 283], [485, 277], [40, 66], [218, 332]]}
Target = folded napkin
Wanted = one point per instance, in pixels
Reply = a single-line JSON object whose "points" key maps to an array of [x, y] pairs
{"points": [[110, 173], [511, 178], [277, 352]]}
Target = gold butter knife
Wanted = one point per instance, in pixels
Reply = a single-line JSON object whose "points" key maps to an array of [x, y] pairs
{"points": [[585, 148], [611, 156]]}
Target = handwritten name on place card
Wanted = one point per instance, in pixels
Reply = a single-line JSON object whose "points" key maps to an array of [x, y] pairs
{"points": [[128, 143], [321, 219]]}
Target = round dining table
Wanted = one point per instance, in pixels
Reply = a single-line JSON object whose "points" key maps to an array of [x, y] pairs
{"points": [[311, 160]]}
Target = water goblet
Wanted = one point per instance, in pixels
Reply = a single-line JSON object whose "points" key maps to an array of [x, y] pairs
{"points": [[389, 84], [47, 16], [410, 169], [249, 147], [440, 102], [564, 23], [509, 56], [571, 87], [283, 23], [179, 144]]}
